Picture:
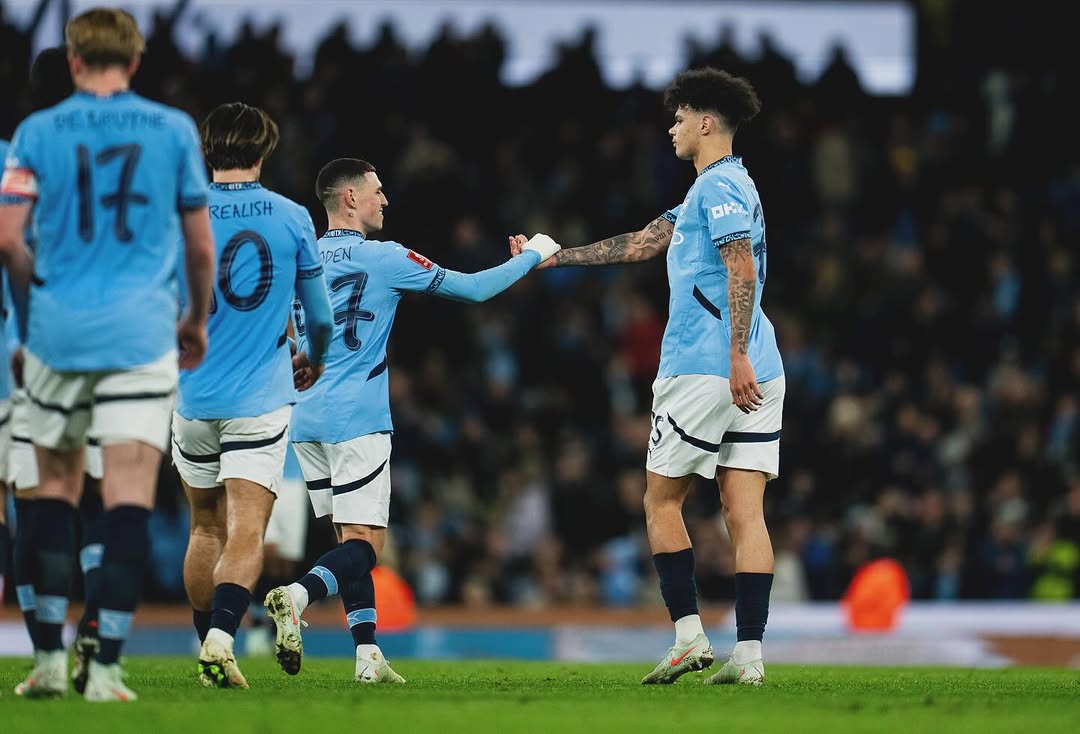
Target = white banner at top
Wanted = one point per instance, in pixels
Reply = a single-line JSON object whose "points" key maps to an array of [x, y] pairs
{"points": [[634, 39]]}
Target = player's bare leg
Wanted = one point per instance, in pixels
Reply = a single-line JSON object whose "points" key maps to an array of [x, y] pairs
{"points": [[248, 507], [742, 493], [127, 489], [205, 542], [674, 560]]}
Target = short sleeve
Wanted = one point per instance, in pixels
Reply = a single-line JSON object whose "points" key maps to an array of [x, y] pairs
{"points": [[308, 261], [194, 189], [19, 182], [726, 210], [410, 271], [672, 214]]}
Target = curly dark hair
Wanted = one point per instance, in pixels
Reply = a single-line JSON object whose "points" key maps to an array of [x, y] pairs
{"points": [[714, 90]]}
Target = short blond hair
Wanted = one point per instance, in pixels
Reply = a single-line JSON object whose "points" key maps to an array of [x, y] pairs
{"points": [[104, 37]]}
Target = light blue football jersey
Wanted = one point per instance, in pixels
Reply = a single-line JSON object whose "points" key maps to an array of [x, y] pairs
{"points": [[264, 243], [111, 176], [722, 206], [366, 280]]}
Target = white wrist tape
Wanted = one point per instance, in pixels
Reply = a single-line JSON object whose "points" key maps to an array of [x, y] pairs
{"points": [[542, 244]]}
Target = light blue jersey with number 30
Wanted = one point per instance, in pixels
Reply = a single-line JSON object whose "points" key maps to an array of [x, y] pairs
{"points": [[111, 176], [265, 245]]}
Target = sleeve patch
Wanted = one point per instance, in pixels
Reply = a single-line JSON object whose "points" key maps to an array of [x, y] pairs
{"points": [[310, 273], [420, 260], [19, 182]]}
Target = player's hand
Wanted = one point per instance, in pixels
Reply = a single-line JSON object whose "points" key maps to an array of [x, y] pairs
{"points": [[517, 243], [745, 393], [191, 335], [544, 246], [18, 359], [305, 374]]}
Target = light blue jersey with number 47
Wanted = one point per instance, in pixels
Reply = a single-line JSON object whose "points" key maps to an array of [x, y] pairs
{"points": [[111, 176], [721, 207]]}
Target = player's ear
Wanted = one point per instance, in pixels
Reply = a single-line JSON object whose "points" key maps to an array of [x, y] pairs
{"points": [[134, 65]]}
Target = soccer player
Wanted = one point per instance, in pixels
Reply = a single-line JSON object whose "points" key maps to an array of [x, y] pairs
{"points": [[719, 394], [50, 83], [342, 427], [231, 425], [115, 179]]}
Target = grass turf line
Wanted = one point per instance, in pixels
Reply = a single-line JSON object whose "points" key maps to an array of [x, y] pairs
{"points": [[513, 696]]}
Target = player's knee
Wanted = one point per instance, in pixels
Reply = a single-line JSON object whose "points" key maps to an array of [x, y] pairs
{"points": [[739, 517]]}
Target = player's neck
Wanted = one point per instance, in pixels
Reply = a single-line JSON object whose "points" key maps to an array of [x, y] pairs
{"points": [[103, 82], [345, 222], [237, 175], [709, 154]]}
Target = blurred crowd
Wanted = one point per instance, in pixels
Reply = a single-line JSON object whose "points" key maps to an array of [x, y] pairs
{"points": [[922, 277]]}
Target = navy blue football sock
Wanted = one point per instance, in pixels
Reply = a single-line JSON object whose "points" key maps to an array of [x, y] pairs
{"points": [[127, 545], [54, 569], [349, 561], [23, 564], [358, 598], [752, 604], [677, 585], [230, 603], [92, 521], [201, 620]]}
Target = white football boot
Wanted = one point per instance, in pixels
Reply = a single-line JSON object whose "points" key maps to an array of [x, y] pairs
{"points": [[746, 672], [372, 667], [49, 678], [682, 659], [20, 688], [106, 683], [288, 644], [217, 664]]}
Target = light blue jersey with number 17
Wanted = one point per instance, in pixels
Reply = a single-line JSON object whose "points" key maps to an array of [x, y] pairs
{"points": [[265, 245], [111, 177]]}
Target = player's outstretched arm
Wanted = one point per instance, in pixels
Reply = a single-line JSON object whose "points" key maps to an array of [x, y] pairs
{"points": [[486, 284], [738, 257], [631, 247], [199, 267]]}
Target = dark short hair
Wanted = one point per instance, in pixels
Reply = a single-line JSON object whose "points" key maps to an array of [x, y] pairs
{"points": [[50, 78], [337, 172], [713, 90], [236, 135]]}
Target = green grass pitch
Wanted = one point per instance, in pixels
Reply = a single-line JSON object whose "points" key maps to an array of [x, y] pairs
{"points": [[508, 697]]}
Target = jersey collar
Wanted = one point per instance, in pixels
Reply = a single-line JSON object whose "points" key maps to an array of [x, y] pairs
{"points": [[236, 186], [345, 233], [725, 159]]}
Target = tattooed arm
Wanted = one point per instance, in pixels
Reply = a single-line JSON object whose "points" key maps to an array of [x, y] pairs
{"points": [[624, 248], [738, 258]]}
